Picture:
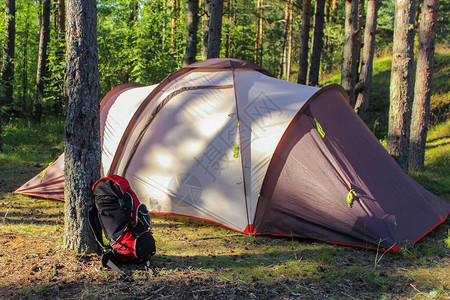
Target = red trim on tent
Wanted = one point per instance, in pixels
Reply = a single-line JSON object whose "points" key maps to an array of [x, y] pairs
{"points": [[39, 196], [442, 221], [250, 229], [117, 89]]}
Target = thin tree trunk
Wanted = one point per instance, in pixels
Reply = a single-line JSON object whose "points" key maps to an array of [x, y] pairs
{"points": [[82, 125], [206, 20], [25, 68], [191, 36], [173, 24], [423, 85], [349, 65], [365, 77], [44, 38], [317, 43], [215, 29], [304, 41], [282, 68], [290, 38], [228, 33], [401, 89], [61, 18], [259, 33], [7, 71], [359, 40]]}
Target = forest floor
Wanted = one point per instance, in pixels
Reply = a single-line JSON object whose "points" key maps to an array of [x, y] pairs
{"points": [[200, 260]]}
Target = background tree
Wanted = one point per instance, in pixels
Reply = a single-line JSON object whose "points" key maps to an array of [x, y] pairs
{"points": [[259, 33], [215, 29], [82, 123], [349, 66], [365, 77], [206, 19], [304, 42], [7, 71], [401, 88], [44, 38], [191, 36], [314, 69], [423, 84], [61, 18]]}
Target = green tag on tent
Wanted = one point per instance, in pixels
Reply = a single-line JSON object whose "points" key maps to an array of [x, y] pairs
{"points": [[319, 128], [45, 172], [236, 147], [350, 198], [236, 151]]}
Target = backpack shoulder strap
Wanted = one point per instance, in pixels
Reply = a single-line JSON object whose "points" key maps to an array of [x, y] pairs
{"points": [[96, 228]]}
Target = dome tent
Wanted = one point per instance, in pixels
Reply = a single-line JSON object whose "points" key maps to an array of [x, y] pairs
{"points": [[224, 141]]}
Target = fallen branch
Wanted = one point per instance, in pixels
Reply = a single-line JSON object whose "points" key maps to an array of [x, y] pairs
{"points": [[419, 291]]}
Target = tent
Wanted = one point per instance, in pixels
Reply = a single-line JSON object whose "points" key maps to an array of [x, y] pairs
{"points": [[223, 140]]}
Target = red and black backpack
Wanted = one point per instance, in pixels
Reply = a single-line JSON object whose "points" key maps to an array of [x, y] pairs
{"points": [[124, 220]]}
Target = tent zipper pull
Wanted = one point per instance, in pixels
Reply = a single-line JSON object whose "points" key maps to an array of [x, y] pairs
{"points": [[319, 128], [236, 151], [236, 147], [350, 197]]}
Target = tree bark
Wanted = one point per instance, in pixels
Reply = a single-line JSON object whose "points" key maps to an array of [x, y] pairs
{"points": [[423, 85], [401, 88], [206, 20], [359, 41], [349, 65], [259, 33], [44, 39], [61, 18], [283, 56], [317, 43], [365, 77], [304, 41], [7, 71], [82, 123], [191, 36], [215, 29], [290, 39], [175, 8]]}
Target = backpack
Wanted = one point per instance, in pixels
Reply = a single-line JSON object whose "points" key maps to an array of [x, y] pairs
{"points": [[124, 220]]}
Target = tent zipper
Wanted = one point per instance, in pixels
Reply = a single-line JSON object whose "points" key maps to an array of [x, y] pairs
{"points": [[351, 196]]}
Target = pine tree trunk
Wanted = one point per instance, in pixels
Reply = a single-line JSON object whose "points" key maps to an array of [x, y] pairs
{"points": [[304, 41], [82, 124], [44, 38], [283, 56], [317, 43], [259, 33], [191, 36], [359, 40], [349, 65], [206, 20], [423, 85], [290, 38], [215, 29], [365, 77], [7, 71], [401, 89], [24, 78], [228, 33], [61, 19], [173, 27]]}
